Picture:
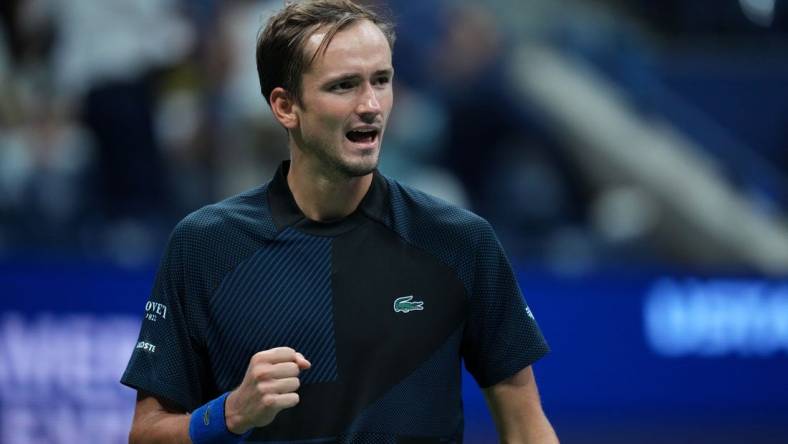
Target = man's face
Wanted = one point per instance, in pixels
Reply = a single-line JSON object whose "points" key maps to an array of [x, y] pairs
{"points": [[346, 100]]}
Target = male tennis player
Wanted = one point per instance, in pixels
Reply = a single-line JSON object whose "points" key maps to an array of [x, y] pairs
{"points": [[332, 304]]}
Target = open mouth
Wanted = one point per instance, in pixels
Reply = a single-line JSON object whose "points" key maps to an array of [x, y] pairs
{"points": [[362, 136]]}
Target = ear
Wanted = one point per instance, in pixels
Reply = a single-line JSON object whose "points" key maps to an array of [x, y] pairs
{"points": [[284, 107]]}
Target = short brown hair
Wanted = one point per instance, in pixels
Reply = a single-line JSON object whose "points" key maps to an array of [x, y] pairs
{"points": [[280, 46]]}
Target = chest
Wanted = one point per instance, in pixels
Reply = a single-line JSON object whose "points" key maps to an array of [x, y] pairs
{"points": [[356, 306]]}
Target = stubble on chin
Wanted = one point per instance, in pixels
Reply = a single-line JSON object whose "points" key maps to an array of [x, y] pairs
{"points": [[333, 165], [352, 170]]}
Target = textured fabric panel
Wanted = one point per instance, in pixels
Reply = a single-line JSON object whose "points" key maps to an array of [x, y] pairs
{"points": [[203, 247], [219, 237], [165, 361], [280, 297], [367, 438], [427, 403], [216, 238], [448, 232], [501, 336]]}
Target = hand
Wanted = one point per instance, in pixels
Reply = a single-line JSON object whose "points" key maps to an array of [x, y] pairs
{"points": [[268, 388]]}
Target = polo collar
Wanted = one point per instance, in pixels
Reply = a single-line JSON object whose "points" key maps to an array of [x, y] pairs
{"points": [[285, 211]]}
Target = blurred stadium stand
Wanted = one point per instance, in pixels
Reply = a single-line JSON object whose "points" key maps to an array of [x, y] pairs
{"points": [[632, 156]]}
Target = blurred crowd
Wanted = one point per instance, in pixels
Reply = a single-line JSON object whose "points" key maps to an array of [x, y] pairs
{"points": [[118, 117]]}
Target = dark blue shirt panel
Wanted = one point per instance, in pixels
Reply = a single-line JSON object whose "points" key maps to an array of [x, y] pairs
{"points": [[171, 359], [501, 335], [279, 297]]}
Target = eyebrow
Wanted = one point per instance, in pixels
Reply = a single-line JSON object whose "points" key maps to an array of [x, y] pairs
{"points": [[352, 76]]}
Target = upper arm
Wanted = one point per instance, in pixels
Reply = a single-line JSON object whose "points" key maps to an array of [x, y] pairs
{"points": [[158, 421], [516, 394], [501, 336], [169, 358]]}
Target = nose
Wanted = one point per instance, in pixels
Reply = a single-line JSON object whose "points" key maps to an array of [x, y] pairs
{"points": [[368, 107]]}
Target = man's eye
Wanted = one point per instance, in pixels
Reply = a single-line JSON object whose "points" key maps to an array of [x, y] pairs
{"points": [[383, 80], [342, 86]]}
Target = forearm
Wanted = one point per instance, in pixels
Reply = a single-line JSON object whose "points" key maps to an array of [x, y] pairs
{"points": [[517, 411], [533, 428], [269, 387]]}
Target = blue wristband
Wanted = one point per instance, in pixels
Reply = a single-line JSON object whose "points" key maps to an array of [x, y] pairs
{"points": [[207, 424]]}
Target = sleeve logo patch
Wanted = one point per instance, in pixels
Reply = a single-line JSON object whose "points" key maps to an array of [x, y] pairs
{"points": [[405, 305], [155, 311], [528, 311], [146, 346]]}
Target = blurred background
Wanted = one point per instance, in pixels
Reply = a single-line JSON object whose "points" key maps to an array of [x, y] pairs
{"points": [[631, 155]]}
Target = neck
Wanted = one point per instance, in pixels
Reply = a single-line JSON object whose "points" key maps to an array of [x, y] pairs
{"points": [[324, 197]]}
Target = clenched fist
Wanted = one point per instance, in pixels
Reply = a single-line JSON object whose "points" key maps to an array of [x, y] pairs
{"points": [[268, 388]]}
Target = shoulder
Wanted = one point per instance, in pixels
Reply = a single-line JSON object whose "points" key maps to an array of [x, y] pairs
{"points": [[416, 214], [245, 214], [455, 236]]}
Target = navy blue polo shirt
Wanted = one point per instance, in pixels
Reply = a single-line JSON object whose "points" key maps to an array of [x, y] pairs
{"points": [[385, 303]]}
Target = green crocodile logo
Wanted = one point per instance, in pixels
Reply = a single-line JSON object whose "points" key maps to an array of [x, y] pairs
{"points": [[404, 305]]}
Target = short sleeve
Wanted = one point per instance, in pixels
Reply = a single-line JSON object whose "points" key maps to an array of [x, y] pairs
{"points": [[501, 336], [167, 360]]}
